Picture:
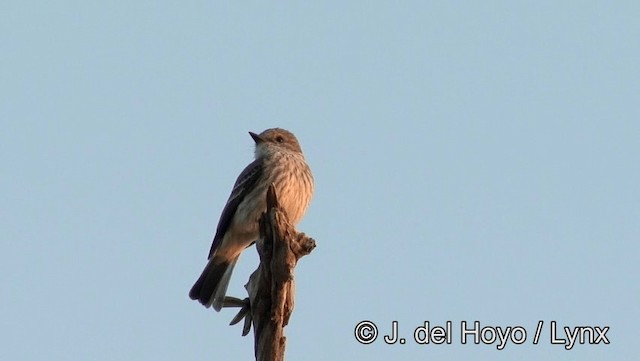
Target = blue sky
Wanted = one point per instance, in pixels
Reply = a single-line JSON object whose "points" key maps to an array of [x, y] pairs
{"points": [[474, 161]]}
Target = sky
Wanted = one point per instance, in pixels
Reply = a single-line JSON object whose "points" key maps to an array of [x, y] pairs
{"points": [[473, 161]]}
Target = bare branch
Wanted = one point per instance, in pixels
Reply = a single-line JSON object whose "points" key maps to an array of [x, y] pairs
{"points": [[271, 287]]}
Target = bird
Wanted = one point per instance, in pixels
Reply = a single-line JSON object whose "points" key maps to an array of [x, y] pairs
{"points": [[279, 161]]}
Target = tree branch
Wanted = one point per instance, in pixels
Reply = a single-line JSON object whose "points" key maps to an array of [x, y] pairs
{"points": [[271, 287]]}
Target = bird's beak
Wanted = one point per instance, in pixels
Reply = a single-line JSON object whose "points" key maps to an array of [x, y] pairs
{"points": [[256, 138]]}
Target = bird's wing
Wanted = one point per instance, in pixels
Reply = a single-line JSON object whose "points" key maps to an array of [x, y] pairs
{"points": [[244, 184]]}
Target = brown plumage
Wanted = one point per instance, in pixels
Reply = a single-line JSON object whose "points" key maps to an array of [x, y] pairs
{"points": [[278, 160]]}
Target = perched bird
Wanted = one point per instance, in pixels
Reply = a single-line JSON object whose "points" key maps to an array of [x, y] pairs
{"points": [[278, 161]]}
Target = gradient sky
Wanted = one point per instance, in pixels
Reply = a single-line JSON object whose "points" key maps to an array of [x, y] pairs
{"points": [[473, 161]]}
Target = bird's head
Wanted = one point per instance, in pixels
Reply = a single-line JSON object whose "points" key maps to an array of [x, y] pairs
{"points": [[275, 139]]}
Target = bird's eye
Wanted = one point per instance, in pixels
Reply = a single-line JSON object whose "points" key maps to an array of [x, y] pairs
{"points": [[279, 139]]}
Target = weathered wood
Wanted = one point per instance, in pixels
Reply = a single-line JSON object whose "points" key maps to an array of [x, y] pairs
{"points": [[271, 286]]}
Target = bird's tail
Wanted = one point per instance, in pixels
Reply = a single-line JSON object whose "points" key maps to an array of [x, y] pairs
{"points": [[211, 287]]}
